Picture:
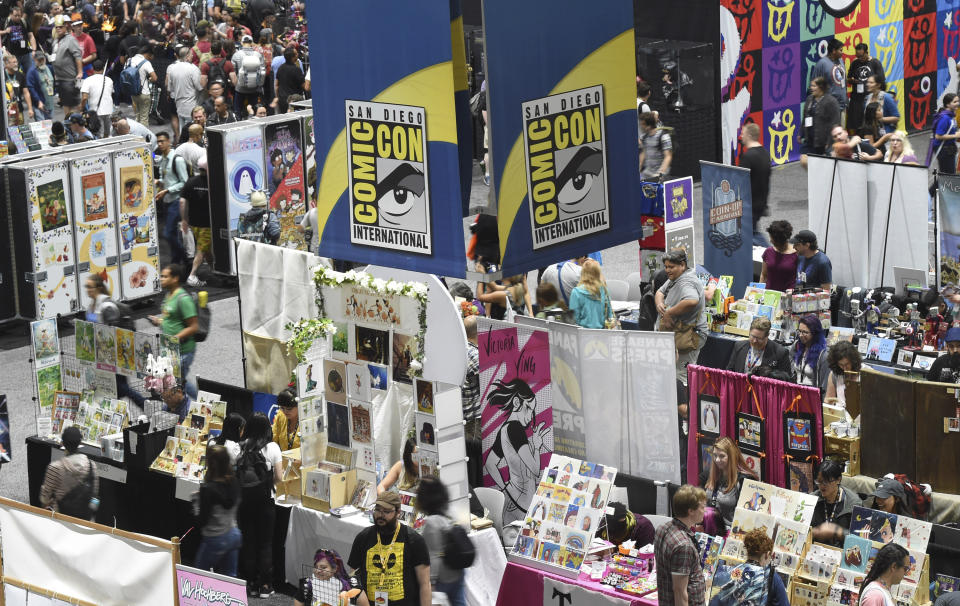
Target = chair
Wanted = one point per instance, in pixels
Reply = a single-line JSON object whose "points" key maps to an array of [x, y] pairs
{"points": [[492, 502], [656, 520], [635, 293], [618, 290]]}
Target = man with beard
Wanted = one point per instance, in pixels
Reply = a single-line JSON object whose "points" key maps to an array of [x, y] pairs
{"points": [[945, 366], [391, 561]]}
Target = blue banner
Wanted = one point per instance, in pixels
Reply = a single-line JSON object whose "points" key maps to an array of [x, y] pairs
{"points": [[561, 86], [386, 128], [727, 223]]}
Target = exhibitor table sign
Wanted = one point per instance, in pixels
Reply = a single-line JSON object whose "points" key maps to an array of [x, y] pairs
{"points": [[563, 126], [197, 587], [386, 126]]}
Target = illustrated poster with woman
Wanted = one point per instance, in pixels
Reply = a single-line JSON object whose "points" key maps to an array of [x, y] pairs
{"points": [[517, 413]]}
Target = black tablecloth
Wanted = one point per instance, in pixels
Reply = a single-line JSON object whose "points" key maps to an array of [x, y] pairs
{"points": [[717, 350]]}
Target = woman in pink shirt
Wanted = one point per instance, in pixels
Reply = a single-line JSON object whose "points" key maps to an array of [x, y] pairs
{"points": [[889, 568], [779, 269]]}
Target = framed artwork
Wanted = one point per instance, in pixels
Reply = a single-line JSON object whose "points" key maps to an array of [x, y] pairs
{"points": [[705, 446], [751, 434], [798, 434], [800, 476], [709, 409], [754, 464], [335, 379]]}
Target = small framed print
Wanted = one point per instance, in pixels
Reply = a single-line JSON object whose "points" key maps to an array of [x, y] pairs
{"points": [[751, 434], [709, 419], [800, 476], [755, 464], [905, 358], [705, 445], [798, 434]]}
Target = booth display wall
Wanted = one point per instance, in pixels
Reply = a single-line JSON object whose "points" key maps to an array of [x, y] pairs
{"points": [[137, 222], [771, 50], [94, 211]]}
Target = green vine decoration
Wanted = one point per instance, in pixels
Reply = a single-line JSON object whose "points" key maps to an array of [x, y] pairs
{"points": [[304, 333]]}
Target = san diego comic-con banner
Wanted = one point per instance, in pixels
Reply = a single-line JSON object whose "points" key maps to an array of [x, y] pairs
{"points": [[727, 223], [517, 415], [562, 111], [386, 134]]}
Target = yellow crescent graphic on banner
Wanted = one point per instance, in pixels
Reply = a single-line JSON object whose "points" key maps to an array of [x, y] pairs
{"points": [[611, 64], [459, 55], [434, 86]]}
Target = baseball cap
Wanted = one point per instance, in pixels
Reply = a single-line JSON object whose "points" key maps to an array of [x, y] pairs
{"points": [[60, 20], [804, 236], [389, 499], [76, 118], [953, 334], [258, 199], [71, 439], [888, 487], [246, 38]]}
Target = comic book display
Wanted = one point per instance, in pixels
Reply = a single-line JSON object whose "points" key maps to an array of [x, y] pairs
{"points": [[564, 515]]}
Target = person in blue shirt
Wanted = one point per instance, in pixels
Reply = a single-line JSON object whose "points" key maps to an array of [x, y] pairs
{"points": [[945, 135], [760, 553], [814, 269], [79, 133], [590, 301], [176, 401], [40, 84]]}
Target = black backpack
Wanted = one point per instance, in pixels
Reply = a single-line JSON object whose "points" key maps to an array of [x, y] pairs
{"points": [[121, 318], [203, 318], [252, 472], [458, 549], [76, 502], [216, 72]]}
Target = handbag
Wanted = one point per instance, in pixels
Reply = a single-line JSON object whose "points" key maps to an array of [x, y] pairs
{"points": [[611, 321], [686, 338]]}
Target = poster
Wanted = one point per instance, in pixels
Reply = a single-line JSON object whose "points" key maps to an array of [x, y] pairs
{"points": [[751, 433], [245, 172], [53, 205], [708, 407], [131, 189], [679, 229], [373, 345], [144, 346], [362, 432], [126, 362], [106, 341], [563, 128], [94, 193], [798, 433], [137, 223], [404, 348], [334, 382], [49, 382], [727, 223], [46, 343], [386, 118], [517, 410], [283, 150], [389, 185], [948, 251]]}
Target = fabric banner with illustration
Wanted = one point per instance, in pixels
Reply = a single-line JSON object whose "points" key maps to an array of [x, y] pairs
{"points": [[678, 220], [948, 252], [387, 145], [517, 415], [563, 128], [727, 223]]}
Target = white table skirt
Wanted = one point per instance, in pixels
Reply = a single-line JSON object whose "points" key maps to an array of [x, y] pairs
{"points": [[310, 530]]}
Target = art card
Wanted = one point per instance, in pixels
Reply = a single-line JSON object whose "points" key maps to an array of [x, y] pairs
{"points": [[144, 345], [378, 377], [571, 558], [800, 476], [428, 464], [170, 348], [427, 432], [798, 433], [786, 562], [49, 382], [913, 534], [538, 509], [404, 350], [340, 341], [709, 407], [373, 345], [923, 363], [881, 349], [46, 342], [905, 591], [424, 393], [549, 553], [849, 579], [733, 548], [94, 197], [883, 527], [856, 552], [85, 346], [916, 566], [755, 496], [362, 432], [170, 448], [338, 424], [106, 340], [358, 382], [706, 452], [317, 485], [526, 546], [905, 358], [754, 464], [790, 537], [751, 434], [131, 180], [309, 379], [335, 381], [125, 352], [52, 200]]}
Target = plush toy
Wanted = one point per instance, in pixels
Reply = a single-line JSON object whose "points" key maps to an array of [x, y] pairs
{"points": [[149, 382], [167, 379]]}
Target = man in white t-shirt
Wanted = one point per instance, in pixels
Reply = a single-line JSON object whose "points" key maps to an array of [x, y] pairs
{"points": [[141, 102], [192, 150], [564, 276], [183, 86], [97, 94]]}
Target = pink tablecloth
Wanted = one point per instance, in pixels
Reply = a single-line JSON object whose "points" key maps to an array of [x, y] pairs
{"points": [[523, 586]]}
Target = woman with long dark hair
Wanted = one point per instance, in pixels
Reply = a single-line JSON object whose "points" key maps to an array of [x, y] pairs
{"points": [[889, 568], [809, 354], [215, 506], [404, 473], [779, 269], [329, 583], [513, 449], [842, 357], [873, 128], [256, 514], [229, 436]]}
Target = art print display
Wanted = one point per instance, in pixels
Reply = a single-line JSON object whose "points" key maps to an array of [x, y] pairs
{"points": [[84, 345], [46, 342], [65, 406], [751, 433], [335, 382], [338, 424], [426, 432], [875, 525], [378, 377], [286, 184], [709, 409], [358, 381], [49, 382], [137, 223], [309, 379], [126, 357], [798, 433], [404, 349], [517, 416], [566, 511], [361, 422], [106, 339], [340, 341], [372, 345], [54, 261], [424, 396]]}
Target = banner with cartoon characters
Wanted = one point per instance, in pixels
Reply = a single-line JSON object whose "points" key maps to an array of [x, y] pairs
{"points": [[727, 223], [387, 142], [563, 128], [517, 417], [678, 221]]}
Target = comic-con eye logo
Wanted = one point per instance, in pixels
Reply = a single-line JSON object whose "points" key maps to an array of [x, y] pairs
{"points": [[839, 8], [566, 159], [389, 193]]}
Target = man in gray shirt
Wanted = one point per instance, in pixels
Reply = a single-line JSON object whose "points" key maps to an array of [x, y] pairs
{"points": [[67, 67], [680, 301], [832, 69], [656, 151]]}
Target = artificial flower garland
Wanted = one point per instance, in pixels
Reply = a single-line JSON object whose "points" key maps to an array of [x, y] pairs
{"points": [[306, 331]]}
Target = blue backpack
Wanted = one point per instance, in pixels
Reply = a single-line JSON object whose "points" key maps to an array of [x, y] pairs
{"points": [[933, 148], [130, 79]]}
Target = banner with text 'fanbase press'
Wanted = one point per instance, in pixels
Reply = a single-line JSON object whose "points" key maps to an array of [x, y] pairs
{"points": [[386, 132]]}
